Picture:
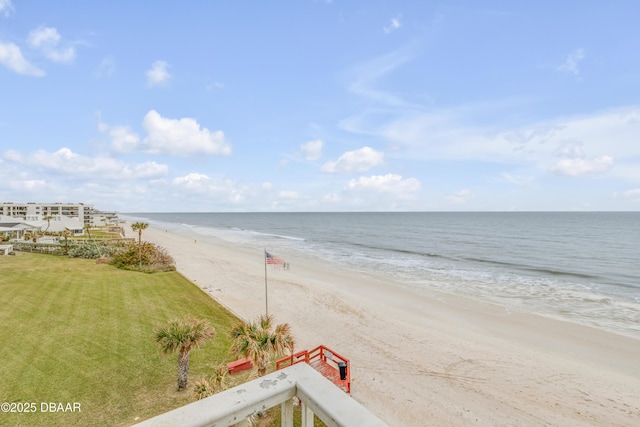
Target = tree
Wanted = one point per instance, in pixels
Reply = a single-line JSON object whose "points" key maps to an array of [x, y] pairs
{"points": [[87, 228], [259, 341], [214, 383], [48, 218], [181, 336], [139, 226], [66, 233]]}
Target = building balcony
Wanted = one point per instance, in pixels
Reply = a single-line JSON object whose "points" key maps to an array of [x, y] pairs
{"points": [[318, 396]]}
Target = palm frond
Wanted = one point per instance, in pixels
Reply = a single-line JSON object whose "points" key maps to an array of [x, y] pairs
{"points": [[257, 341], [183, 335]]}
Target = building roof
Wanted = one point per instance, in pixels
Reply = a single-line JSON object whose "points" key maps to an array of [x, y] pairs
{"points": [[7, 226]]}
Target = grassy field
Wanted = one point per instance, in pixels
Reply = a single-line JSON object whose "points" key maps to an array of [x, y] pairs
{"points": [[73, 331], [98, 234]]}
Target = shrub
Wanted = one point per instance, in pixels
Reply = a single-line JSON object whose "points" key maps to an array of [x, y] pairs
{"points": [[152, 257], [42, 248], [90, 249]]}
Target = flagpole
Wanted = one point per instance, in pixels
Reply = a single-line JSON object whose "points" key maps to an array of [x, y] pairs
{"points": [[266, 294]]}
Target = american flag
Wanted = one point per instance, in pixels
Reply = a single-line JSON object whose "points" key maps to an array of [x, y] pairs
{"points": [[274, 260]]}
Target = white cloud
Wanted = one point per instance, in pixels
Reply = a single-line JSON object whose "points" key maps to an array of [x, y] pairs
{"points": [[331, 198], [394, 24], [606, 135], [158, 75], [574, 163], [43, 36], [64, 55], [146, 170], [421, 132], [267, 186], [106, 67], [360, 160], [199, 184], [389, 183], [47, 39], [193, 181], [6, 7], [570, 65], [282, 163], [570, 149], [289, 195], [182, 137], [215, 86], [123, 140], [28, 184], [580, 166], [11, 57], [516, 180], [312, 150], [366, 75], [13, 156], [67, 163], [633, 195], [460, 197]]}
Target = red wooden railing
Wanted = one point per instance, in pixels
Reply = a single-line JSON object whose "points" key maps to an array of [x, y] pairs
{"points": [[324, 360]]}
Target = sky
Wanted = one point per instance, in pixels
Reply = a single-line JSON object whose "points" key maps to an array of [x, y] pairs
{"points": [[321, 105]]}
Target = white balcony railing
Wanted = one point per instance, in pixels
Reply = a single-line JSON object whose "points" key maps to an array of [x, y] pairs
{"points": [[319, 397]]}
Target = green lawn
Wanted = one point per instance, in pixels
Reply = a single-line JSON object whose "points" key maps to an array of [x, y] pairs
{"points": [[73, 331], [97, 234]]}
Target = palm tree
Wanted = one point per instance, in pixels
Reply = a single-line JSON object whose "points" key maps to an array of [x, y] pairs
{"points": [[87, 228], [181, 336], [48, 218], [66, 233], [214, 383], [139, 226], [259, 342]]}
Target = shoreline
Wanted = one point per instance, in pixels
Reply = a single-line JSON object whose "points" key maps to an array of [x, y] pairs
{"points": [[429, 358]]}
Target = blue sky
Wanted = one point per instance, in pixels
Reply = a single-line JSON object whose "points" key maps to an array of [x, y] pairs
{"points": [[316, 105]]}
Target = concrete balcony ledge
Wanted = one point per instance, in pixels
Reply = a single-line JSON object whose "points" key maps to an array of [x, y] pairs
{"points": [[231, 407]]}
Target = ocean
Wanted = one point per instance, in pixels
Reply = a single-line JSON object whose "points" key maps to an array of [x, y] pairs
{"points": [[581, 267]]}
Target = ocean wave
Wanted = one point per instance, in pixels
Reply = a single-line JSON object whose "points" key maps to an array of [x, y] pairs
{"points": [[547, 297], [277, 236], [554, 272], [534, 269], [394, 250]]}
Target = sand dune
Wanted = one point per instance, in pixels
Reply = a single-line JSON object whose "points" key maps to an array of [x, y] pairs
{"points": [[423, 358]]}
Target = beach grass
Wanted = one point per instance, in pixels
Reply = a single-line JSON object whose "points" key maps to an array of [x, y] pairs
{"points": [[78, 332]]}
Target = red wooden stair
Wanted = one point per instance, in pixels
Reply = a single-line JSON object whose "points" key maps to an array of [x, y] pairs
{"points": [[325, 361]]}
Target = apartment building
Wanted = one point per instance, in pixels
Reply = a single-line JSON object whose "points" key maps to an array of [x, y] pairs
{"points": [[56, 216]]}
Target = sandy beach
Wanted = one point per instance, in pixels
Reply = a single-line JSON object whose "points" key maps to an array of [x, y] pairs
{"points": [[424, 358]]}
